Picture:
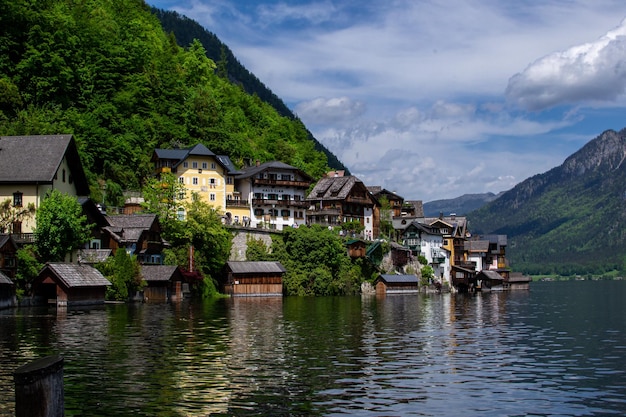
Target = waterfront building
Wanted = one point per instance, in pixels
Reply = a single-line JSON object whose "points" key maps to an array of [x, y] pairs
{"points": [[336, 199], [272, 196], [66, 284], [30, 166], [137, 234], [201, 172], [396, 284], [254, 279]]}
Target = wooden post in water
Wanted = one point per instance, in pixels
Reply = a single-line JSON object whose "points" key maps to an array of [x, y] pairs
{"points": [[39, 388]]}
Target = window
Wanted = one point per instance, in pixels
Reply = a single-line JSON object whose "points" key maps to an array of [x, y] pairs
{"points": [[185, 164], [205, 165], [180, 213], [181, 195], [181, 180], [229, 180], [17, 199], [194, 181], [212, 182], [212, 197], [258, 212], [212, 165], [285, 213], [194, 165], [63, 175]]}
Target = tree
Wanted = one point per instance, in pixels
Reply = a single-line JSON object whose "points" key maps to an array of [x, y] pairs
{"points": [[61, 227], [9, 214], [124, 272], [386, 225], [163, 196]]}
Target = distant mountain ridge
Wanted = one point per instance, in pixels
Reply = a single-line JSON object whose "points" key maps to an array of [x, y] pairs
{"points": [[459, 205], [571, 219], [186, 30]]}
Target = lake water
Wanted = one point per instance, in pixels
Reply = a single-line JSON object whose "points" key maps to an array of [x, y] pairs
{"points": [[556, 350]]}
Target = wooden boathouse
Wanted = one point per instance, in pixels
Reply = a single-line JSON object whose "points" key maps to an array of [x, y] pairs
{"points": [[254, 279], [66, 284], [164, 283], [396, 284]]}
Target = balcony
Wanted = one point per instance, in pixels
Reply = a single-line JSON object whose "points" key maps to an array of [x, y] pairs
{"points": [[23, 238], [237, 203], [281, 183], [279, 203]]}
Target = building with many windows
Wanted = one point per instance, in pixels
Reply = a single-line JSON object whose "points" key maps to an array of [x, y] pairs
{"points": [[202, 173], [271, 195]]}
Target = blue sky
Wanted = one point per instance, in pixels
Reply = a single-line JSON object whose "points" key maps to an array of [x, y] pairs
{"points": [[434, 99]]}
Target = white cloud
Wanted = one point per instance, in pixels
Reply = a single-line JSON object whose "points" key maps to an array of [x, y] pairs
{"points": [[336, 110], [590, 72]]}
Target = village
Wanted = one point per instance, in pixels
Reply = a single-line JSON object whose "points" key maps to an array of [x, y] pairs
{"points": [[257, 200]]}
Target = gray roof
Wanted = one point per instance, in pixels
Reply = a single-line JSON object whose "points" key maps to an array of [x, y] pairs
{"points": [[77, 275], [5, 280], [334, 188], [399, 279], [158, 272], [228, 164], [143, 221], [272, 165], [477, 245], [266, 267], [179, 155], [492, 275], [36, 159]]}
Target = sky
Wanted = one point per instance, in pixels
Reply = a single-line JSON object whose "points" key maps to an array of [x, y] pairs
{"points": [[433, 99]]}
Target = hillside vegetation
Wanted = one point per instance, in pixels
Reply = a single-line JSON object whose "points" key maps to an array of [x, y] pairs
{"points": [[571, 219], [108, 73]]}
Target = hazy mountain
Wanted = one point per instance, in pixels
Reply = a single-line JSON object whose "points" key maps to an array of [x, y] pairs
{"points": [[459, 205], [571, 219]]}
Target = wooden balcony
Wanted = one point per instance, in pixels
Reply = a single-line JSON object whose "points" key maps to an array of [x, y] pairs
{"points": [[279, 203], [281, 183]]}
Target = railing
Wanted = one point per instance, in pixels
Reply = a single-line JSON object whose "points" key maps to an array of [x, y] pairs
{"points": [[23, 238], [283, 183], [279, 203]]}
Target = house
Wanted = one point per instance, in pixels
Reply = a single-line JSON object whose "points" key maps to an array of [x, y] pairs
{"points": [[138, 234], [412, 208], [338, 199], [396, 284], [7, 292], [164, 283], [66, 284], [30, 166], [400, 256], [396, 202], [489, 281], [199, 170], [274, 195], [254, 279], [517, 281], [8, 255]]}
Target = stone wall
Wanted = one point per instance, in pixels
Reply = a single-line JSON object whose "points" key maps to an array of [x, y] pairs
{"points": [[240, 242]]}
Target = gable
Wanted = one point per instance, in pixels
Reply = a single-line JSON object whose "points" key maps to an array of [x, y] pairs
{"points": [[37, 159]]}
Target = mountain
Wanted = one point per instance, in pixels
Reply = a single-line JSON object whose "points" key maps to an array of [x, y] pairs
{"points": [[459, 205], [571, 219], [186, 30], [107, 73]]}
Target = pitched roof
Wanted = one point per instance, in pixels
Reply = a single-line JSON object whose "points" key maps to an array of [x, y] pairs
{"points": [[36, 159], [76, 275], [93, 256], [335, 188], [5, 280], [266, 267], [228, 164], [179, 155], [159, 272], [492, 275], [124, 221], [477, 245], [398, 279], [272, 165]]}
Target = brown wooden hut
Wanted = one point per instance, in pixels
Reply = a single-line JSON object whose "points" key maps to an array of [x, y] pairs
{"points": [[517, 281], [164, 282], [489, 281], [7, 292], [8, 255], [356, 248], [396, 284], [67, 284], [254, 279]]}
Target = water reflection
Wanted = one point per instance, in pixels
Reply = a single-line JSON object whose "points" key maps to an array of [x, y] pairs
{"points": [[556, 350]]}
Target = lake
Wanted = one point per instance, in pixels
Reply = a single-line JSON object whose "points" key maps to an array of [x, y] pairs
{"points": [[556, 350]]}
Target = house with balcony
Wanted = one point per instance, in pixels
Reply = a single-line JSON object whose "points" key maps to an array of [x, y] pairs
{"points": [[201, 172], [336, 199], [30, 166], [425, 240], [396, 202], [272, 196]]}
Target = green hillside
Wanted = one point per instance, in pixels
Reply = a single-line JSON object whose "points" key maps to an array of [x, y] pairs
{"points": [[569, 220], [107, 72]]}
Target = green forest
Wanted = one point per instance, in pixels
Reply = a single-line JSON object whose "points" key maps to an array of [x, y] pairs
{"points": [[106, 72]]}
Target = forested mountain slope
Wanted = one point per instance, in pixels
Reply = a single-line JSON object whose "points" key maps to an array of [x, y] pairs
{"points": [[186, 30], [459, 205], [108, 73], [571, 219]]}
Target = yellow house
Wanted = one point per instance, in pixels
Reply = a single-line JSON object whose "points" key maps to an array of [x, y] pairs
{"points": [[30, 166], [200, 171]]}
